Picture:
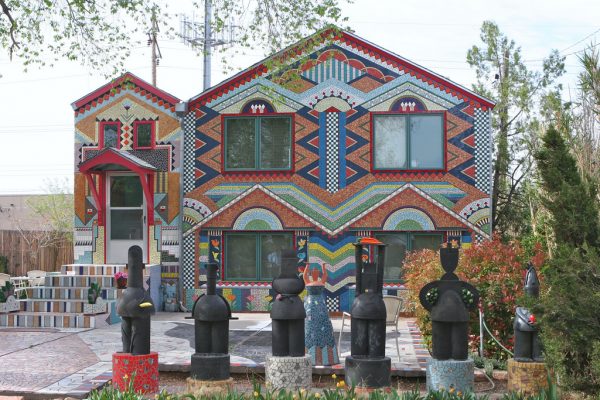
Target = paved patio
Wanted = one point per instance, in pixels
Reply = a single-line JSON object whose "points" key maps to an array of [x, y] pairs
{"points": [[46, 362]]}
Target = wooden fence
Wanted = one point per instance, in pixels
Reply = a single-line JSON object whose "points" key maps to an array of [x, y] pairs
{"points": [[23, 256]]}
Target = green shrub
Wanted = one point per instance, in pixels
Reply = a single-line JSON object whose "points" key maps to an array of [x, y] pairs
{"points": [[569, 317], [496, 269]]}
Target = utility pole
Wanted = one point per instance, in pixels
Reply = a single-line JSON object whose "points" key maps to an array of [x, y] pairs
{"points": [[155, 53], [201, 35], [207, 46]]}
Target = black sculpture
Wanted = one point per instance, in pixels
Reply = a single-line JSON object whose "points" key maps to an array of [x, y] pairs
{"points": [[528, 347], [288, 312], [212, 314], [367, 365], [135, 307], [449, 301]]}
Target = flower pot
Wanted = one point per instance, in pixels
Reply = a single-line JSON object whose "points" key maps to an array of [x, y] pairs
{"points": [[121, 283], [10, 305], [100, 307]]}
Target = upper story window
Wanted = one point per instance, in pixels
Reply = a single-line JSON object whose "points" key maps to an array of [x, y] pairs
{"points": [[408, 141], [109, 135], [143, 134], [258, 143]]}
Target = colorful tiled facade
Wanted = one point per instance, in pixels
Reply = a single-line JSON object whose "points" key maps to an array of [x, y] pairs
{"points": [[151, 155], [328, 194]]}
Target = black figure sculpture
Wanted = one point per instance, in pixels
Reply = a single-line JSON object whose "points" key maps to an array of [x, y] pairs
{"points": [[135, 307], [288, 312], [212, 314], [367, 365], [528, 347], [449, 301]]}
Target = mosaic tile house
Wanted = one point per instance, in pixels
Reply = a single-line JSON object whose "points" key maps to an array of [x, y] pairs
{"points": [[351, 141], [127, 174]]}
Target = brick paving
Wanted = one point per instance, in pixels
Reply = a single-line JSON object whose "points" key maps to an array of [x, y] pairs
{"points": [[72, 362]]}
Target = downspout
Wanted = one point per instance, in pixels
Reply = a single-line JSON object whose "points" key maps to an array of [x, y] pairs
{"points": [[181, 111]]}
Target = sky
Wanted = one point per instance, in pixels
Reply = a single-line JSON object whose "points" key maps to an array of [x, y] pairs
{"points": [[36, 118]]}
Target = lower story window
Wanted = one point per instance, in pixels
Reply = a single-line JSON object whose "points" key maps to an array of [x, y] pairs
{"points": [[398, 244], [254, 256]]}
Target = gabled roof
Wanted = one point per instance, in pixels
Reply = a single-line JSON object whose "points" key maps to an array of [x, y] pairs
{"points": [[111, 159], [139, 85], [354, 41]]}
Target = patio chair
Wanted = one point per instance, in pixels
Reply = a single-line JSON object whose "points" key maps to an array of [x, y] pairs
{"points": [[36, 277], [393, 306]]}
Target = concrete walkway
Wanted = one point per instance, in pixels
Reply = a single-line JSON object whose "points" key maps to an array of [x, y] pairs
{"points": [[71, 362]]}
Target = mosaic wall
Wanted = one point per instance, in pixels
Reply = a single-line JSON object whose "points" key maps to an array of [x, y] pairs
{"points": [[126, 101], [332, 195]]}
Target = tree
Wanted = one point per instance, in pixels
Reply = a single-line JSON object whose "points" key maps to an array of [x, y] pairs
{"points": [[503, 77], [101, 33], [571, 200]]}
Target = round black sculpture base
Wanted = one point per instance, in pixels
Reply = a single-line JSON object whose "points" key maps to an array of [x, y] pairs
{"points": [[210, 367], [368, 372]]}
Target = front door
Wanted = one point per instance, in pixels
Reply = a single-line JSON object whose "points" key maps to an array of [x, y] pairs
{"points": [[126, 217]]}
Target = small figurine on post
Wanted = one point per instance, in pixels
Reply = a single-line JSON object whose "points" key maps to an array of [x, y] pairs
{"points": [[289, 367], [210, 364], [367, 367], [449, 301], [318, 332], [135, 309], [527, 370]]}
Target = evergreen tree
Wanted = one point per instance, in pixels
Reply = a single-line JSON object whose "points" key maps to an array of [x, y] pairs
{"points": [[569, 198]]}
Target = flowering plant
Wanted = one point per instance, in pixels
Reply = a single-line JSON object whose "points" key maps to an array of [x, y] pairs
{"points": [[121, 278], [121, 275]]}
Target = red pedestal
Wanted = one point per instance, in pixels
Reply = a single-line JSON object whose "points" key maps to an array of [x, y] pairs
{"points": [[142, 369]]}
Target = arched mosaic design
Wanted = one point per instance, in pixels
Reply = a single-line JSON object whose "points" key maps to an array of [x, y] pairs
{"points": [[408, 219], [408, 104], [478, 213], [258, 219]]}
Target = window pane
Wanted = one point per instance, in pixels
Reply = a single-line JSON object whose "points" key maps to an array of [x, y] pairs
{"points": [[390, 141], [240, 257], [241, 143], [126, 224], [420, 242], [270, 251], [426, 142], [110, 135], [394, 255], [144, 135], [126, 191], [275, 143]]}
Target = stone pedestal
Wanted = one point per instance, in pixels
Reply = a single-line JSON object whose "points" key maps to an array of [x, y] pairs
{"points": [[143, 369], [210, 367], [527, 377], [447, 374], [291, 373], [208, 389], [368, 373]]}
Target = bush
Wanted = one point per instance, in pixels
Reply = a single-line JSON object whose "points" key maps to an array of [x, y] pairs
{"points": [[569, 317], [3, 264], [496, 269]]}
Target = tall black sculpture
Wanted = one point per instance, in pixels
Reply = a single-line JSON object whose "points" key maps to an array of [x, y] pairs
{"points": [[135, 307], [289, 367], [528, 347], [367, 366], [212, 314], [449, 300], [288, 312]]}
